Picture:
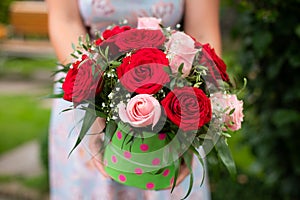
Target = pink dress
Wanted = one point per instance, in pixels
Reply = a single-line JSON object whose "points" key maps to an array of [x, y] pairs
{"points": [[75, 177]]}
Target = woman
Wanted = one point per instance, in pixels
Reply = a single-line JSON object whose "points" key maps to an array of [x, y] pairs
{"points": [[77, 177]]}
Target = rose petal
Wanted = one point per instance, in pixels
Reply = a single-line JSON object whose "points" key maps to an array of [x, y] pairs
{"points": [[122, 112], [142, 110], [148, 23]]}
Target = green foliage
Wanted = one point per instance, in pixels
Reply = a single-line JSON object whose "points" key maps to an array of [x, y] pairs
{"points": [[4, 11], [269, 32], [243, 187], [21, 119], [26, 68]]}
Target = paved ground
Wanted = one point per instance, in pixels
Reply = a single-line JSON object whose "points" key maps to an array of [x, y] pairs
{"points": [[23, 161]]}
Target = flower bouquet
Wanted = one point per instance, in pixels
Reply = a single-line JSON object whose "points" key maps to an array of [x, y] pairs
{"points": [[163, 96]]}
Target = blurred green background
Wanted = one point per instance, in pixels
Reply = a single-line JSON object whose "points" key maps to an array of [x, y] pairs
{"points": [[260, 43]]}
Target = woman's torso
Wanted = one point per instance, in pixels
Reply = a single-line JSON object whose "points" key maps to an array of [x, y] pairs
{"points": [[98, 14]]}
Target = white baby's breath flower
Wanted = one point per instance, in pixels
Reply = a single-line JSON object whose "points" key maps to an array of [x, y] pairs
{"points": [[111, 95], [114, 117]]}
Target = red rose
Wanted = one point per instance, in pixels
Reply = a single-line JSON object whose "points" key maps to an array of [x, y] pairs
{"points": [[143, 72], [98, 41], [80, 83], [116, 30], [109, 37], [210, 54], [140, 38], [188, 107]]}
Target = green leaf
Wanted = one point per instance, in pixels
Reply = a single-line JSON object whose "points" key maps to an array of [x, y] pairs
{"points": [[177, 166], [115, 63], [172, 84], [201, 162], [73, 47], [226, 135], [180, 83], [110, 130], [55, 95], [160, 171], [285, 117], [232, 111], [85, 47], [106, 52], [180, 69], [79, 52], [188, 161], [225, 155], [124, 127], [72, 54], [297, 30], [167, 69], [97, 112], [111, 127], [87, 38], [67, 109], [88, 120], [93, 69], [80, 39]]}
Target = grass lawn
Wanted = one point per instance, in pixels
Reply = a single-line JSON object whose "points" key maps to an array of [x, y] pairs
{"points": [[22, 118], [26, 67]]}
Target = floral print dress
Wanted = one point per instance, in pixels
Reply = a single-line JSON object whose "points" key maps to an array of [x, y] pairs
{"points": [[75, 177]]}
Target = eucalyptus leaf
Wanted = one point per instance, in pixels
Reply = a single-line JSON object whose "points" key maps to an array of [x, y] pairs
{"points": [[226, 135], [106, 52], [115, 63], [85, 47], [73, 55], [167, 70], [87, 38], [172, 84], [73, 47], [78, 51]]}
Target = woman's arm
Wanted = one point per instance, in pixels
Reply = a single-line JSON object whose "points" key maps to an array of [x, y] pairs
{"points": [[65, 26], [202, 22]]}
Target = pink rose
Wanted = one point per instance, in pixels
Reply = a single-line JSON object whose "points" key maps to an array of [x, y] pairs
{"points": [[149, 23], [225, 104], [181, 49], [142, 110]]}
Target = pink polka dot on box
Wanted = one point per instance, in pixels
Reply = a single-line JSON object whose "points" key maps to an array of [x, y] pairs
{"points": [[140, 160]]}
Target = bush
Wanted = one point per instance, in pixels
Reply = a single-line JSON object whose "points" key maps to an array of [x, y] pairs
{"points": [[4, 11], [269, 32]]}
